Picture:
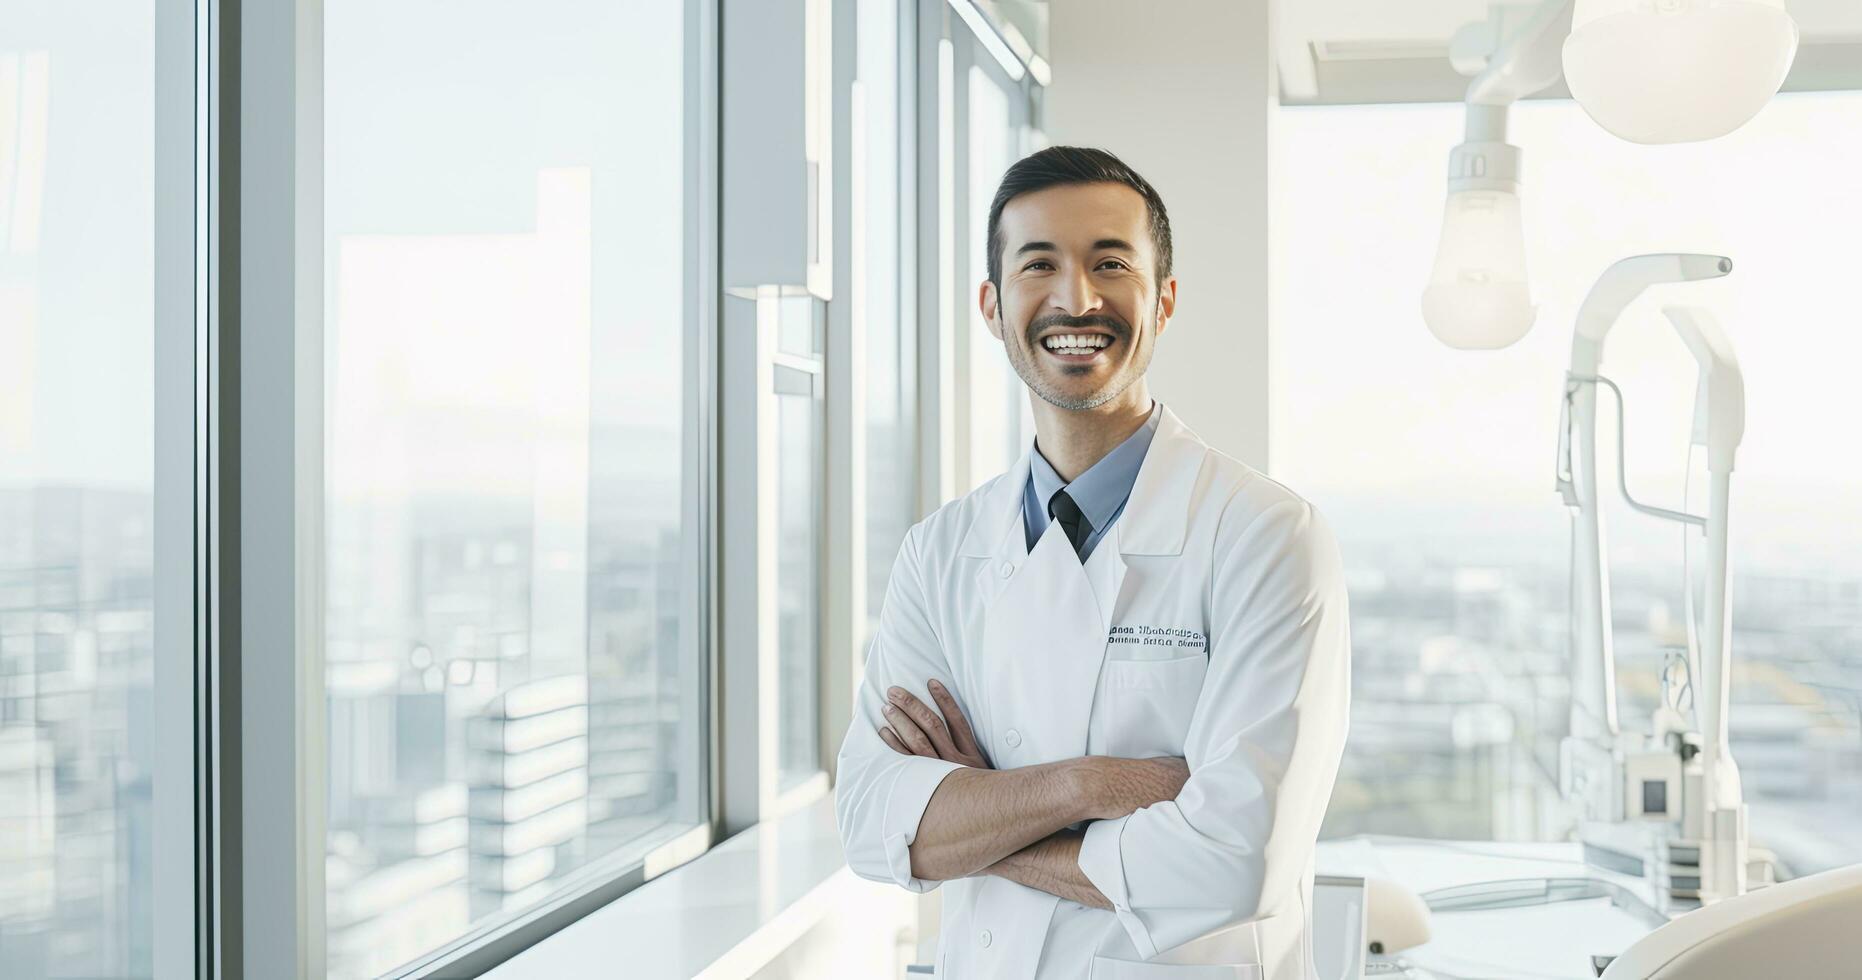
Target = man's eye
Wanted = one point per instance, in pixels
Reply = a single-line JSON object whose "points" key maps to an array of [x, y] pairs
{"points": [[1037, 264], [1113, 262]]}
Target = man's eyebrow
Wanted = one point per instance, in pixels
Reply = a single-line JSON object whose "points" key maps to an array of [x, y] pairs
{"points": [[1098, 246]]}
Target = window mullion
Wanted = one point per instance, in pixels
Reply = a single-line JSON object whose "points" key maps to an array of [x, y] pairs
{"points": [[270, 332]]}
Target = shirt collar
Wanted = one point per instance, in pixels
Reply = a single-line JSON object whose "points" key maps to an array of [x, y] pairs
{"points": [[1102, 490]]}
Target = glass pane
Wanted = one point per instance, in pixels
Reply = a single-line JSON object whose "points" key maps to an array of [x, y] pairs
{"points": [[886, 321], [76, 489], [997, 396], [1435, 465], [799, 517], [513, 669]]}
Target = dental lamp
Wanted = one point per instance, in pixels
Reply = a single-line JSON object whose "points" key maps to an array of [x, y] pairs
{"points": [[1677, 71], [1477, 298], [1666, 805], [1648, 71]]}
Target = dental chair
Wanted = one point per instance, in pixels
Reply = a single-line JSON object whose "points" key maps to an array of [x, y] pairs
{"points": [[1800, 929]]}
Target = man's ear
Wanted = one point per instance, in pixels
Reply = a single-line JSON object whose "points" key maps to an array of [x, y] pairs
{"points": [[987, 301], [1166, 303]]}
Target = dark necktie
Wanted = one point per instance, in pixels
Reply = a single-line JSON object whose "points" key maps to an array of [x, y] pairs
{"points": [[1062, 508]]}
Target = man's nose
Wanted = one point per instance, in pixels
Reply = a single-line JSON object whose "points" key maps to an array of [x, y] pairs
{"points": [[1075, 294]]}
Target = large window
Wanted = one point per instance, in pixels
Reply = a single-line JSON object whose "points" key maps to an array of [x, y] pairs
{"points": [[1436, 465], [515, 683], [78, 766]]}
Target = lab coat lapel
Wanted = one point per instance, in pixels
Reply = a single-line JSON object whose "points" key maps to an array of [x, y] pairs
{"points": [[997, 534], [1157, 515], [1043, 643]]}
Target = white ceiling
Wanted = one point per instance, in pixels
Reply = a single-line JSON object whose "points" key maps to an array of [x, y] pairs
{"points": [[1351, 46]]}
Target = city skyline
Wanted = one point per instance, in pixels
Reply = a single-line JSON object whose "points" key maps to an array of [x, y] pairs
{"points": [[1458, 703]]}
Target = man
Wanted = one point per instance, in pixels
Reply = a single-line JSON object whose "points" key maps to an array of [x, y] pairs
{"points": [[1108, 691]]}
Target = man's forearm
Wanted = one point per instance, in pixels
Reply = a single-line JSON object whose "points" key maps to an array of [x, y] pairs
{"points": [[980, 816], [1052, 865]]}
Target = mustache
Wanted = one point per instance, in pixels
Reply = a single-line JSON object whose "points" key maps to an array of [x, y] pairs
{"points": [[1103, 320]]}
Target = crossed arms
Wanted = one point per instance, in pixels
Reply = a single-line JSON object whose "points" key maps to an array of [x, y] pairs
{"points": [[1176, 848], [1012, 823]]}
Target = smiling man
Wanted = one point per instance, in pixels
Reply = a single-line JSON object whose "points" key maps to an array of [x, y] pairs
{"points": [[1108, 692]]}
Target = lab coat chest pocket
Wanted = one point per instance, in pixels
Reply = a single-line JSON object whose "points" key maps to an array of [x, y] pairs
{"points": [[1148, 704]]}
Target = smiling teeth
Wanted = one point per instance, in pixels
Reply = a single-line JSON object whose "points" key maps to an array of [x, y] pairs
{"points": [[1076, 343]]}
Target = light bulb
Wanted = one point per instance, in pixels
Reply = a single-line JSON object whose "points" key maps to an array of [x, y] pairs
{"points": [[1676, 71], [1477, 297]]}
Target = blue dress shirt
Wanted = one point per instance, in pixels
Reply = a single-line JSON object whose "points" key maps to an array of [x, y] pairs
{"points": [[1100, 492]]}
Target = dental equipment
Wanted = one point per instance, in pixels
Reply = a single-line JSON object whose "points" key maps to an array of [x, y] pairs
{"points": [[1477, 298], [1667, 805], [1677, 71], [1647, 71]]}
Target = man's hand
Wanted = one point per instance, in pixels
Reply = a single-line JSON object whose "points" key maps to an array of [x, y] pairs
{"points": [[914, 729]]}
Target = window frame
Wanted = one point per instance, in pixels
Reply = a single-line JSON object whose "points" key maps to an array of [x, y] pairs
{"points": [[263, 403], [783, 240]]}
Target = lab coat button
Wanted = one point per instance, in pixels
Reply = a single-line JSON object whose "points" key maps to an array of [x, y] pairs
{"points": [[1008, 569], [985, 938], [1013, 737]]}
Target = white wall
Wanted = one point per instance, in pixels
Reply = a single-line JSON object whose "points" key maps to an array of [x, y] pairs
{"points": [[1183, 91]]}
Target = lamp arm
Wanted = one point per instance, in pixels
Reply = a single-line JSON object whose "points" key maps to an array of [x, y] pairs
{"points": [[1526, 62]]}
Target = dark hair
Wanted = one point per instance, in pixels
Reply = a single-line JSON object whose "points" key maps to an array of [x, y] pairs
{"points": [[1059, 165]]}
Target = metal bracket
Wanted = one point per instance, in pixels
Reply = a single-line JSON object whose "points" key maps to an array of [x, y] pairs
{"points": [[1568, 490]]}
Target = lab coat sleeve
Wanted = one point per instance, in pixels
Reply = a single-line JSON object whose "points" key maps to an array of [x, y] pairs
{"points": [[880, 794], [1263, 745]]}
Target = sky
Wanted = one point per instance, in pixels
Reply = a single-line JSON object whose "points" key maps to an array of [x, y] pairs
{"points": [[76, 251]]}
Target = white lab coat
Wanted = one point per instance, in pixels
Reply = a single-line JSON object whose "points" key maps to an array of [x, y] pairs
{"points": [[1209, 623]]}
